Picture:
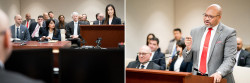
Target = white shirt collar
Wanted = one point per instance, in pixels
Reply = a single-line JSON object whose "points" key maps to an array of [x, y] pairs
{"points": [[145, 65], [214, 28]]}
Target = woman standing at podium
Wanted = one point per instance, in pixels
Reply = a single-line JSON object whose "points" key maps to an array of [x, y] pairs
{"points": [[177, 63], [110, 16], [51, 33]]}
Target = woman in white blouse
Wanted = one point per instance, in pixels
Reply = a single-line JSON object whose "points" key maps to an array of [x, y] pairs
{"points": [[51, 33], [110, 16], [177, 63]]}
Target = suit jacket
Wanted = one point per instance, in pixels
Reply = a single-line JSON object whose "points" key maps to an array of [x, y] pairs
{"points": [[55, 36], [97, 22], [185, 66], [159, 59], [24, 33], [244, 59], [115, 20], [70, 29], [11, 77], [171, 44], [84, 22], [222, 51], [136, 64], [31, 21], [32, 29]]}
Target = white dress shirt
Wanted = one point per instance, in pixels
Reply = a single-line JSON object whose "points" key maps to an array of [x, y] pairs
{"points": [[16, 31], [151, 57], [75, 28], [110, 21], [177, 64], [237, 58], [28, 25], [145, 65], [51, 34], [209, 46], [37, 33]]}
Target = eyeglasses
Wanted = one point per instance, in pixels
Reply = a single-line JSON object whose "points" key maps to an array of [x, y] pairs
{"points": [[143, 54], [209, 16]]}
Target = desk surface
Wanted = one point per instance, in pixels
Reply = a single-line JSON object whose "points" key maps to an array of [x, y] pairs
{"points": [[35, 44]]}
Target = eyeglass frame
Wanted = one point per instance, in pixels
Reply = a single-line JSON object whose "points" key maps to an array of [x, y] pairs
{"points": [[143, 54], [209, 16]]}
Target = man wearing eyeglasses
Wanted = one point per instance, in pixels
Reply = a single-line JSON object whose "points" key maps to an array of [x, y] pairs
{"points": [[212, 47], [144, 55]]}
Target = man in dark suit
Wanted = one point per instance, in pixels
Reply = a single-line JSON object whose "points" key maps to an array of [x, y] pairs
{"points": [[157, 56], [28, 20], [73, 30], [212, 47], [36, 29], [242, 57], [51, 15], [18, 30], [99, 19], [5, 50], [144, 57]]}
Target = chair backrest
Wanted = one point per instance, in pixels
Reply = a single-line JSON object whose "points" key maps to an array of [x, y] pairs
{"points": [[91, 65], [34, 63], [241, 74]]}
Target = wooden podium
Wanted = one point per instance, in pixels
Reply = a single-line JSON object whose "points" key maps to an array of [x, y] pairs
{"points": [[158, 76], [111, 34]]}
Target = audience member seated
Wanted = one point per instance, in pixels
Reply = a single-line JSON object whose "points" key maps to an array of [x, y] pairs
{"points": [[62, 24], [242, 56], [36, 29], [110, 16], [28, 20], [99, 19], [172, 44], [73, 30], [157, 57], [18, 30], [84, 19], [144, 60], [150, 35], [177, 63], [5, 50], [51, 33], [51, 16]]}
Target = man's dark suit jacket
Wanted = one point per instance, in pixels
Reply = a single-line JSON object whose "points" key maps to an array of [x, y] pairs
{"points": [[136, 64], [185, 66], [244, 59], [115, 20], [11, 77], [32, 29], [24, 33], [159, 59], [70, 29], [97, 22]]}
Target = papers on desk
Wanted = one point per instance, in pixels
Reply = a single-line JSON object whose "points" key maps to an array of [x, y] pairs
{"points": [[52, 41]]}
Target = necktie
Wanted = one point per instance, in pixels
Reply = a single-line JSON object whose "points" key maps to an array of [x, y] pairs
{"points": [[17, 32], [203, 61], [36, 29], [27, 24], [142, 66]]}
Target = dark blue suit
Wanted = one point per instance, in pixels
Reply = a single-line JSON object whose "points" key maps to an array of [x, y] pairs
{"points": [[159, 59], [56, 36], [244, 59], [32, 29], [115, 20], [23, 33], [185, 66]]}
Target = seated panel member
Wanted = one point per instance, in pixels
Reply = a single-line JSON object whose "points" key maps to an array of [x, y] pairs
{"points": [[51, 33], [36, 29], [18, 30], [144, 57], [242, 56], [177, 63], [110, 16], [73, 30], [62, 24]]}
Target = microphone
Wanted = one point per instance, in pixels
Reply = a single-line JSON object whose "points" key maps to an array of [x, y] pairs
{"points": [[98, 41], [199, 71]]}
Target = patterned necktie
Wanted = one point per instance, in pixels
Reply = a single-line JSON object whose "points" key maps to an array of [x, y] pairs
{"points": [[203, 62], [142, 66]]}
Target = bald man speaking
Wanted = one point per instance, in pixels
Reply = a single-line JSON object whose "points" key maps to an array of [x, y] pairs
{"points": [[212, 47]]}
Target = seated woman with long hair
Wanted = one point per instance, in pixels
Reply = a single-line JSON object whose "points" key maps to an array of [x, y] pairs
{"points": [[51, 33], [177, 63]]}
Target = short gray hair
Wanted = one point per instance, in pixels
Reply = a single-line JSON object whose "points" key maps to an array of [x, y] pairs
{"points": [[74, 13]]}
